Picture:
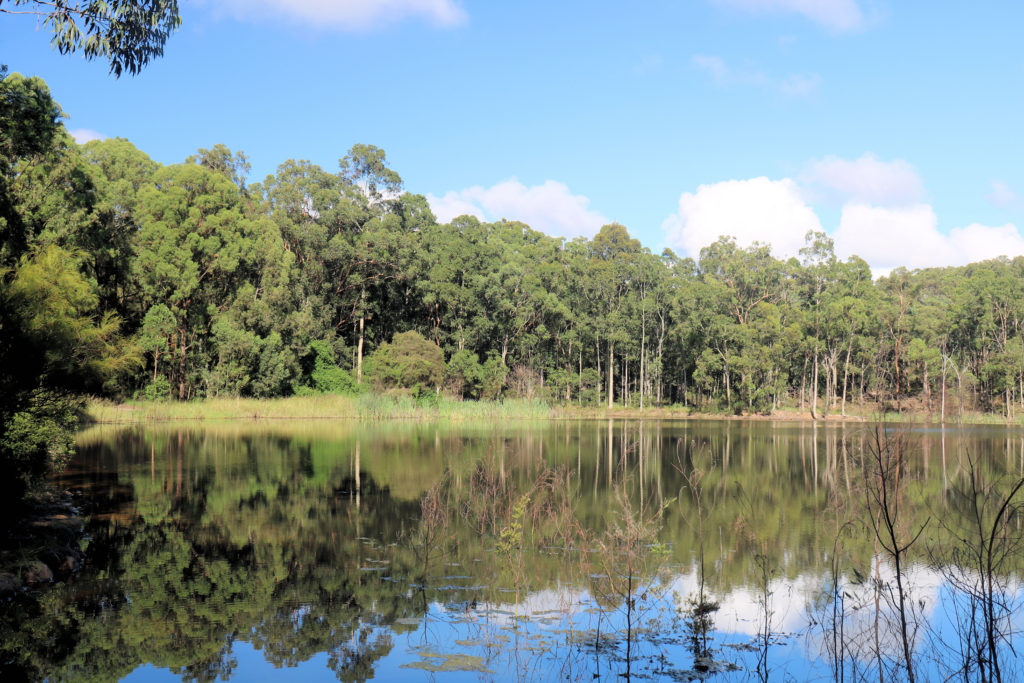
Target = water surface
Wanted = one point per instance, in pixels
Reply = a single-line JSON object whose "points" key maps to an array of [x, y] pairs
{"points": [[558, 550]]}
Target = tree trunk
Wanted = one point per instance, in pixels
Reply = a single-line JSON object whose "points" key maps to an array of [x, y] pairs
{"points": [[846, 376], [359, 349], [814, 387], [728, 392], [181, 367], [942, 417], [860, 397], [625, 380], [661, 375], [927, 391], [611, 375], [803, 385], [643, 349]]}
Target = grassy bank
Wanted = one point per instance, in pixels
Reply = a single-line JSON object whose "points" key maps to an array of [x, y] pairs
{"points": [[326, 406], [376, 407]]}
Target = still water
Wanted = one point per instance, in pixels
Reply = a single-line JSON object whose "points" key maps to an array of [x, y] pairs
{"points": [[579, 551]]}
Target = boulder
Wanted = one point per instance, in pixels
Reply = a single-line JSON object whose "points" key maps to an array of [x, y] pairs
{"points": [[36, 572]]}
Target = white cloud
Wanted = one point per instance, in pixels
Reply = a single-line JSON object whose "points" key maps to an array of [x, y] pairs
{"points": [[84, 135], [1002, 195], [550, 208], [349, 15], [980, 242], [835, 15], [776, 212], [866, 180], [453, 204], [758, 209], [890, 237], [794, 85]]}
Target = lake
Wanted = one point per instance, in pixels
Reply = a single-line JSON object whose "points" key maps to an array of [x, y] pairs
{"points": [[560, 550]]}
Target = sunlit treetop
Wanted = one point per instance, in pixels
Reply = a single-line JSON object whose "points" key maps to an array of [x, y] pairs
{"points": [[127, 33]]}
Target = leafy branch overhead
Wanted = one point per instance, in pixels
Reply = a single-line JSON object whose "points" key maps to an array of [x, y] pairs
{"points": [[127, 33]]}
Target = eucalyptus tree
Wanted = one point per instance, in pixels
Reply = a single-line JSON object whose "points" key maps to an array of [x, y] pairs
{"points": [[927, 353], [309, 207], [858, 304], [899, 292], [612, 250], [315, 213], [234, 165], [374, 253], [685, 343], [660, 300], [127, 33], [579, 297], [516, 295], [833, 298], [643, 274], [451, 268], [30, 131], [985, 316], [192, 240], [46, 194], [118, 171], [735, 286], [995, 313]]}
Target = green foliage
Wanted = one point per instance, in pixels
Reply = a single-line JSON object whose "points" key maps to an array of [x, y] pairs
{"points": [[493, 375], [365, 166], [510, 539], [127, 33], [55, 337], [51, 343], [157, 390], [464, 375], [29, 117], [327, 377], [35, 441], [590, 383], [407, 362]]}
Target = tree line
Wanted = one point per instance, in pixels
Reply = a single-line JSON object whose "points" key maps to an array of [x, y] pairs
{"points": [[127, 278]]}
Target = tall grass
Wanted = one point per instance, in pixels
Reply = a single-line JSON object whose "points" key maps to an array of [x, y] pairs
{"points": [[370, 406], [325, 406]]}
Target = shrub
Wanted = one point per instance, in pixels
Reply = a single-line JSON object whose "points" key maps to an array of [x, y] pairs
{"points": [[464, 374], [327, 377], [157, 390], [408, 361]]}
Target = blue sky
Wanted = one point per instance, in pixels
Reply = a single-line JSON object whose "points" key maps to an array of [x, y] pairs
{"points": [[894, 126]]}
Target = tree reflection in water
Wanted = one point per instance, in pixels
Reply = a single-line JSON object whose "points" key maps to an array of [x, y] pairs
{"points": [[528, 552]]}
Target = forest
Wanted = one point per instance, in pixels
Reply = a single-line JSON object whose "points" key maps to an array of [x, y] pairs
{"points": [[125, 278]]}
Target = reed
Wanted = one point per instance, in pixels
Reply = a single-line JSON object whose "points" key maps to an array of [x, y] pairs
{"points": [[326, 406]]}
